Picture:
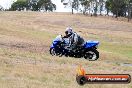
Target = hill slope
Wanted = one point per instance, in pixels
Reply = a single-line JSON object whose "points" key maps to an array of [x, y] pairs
{"points": [[25, 38]]}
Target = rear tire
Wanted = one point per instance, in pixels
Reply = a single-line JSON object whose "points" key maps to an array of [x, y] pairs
{"points": [[91, 55]]}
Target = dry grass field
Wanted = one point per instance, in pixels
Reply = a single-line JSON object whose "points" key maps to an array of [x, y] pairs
{"points": [[25, 38]]}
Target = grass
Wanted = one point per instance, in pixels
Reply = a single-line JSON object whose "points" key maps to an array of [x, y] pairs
{"points": [[121, 49], [25, 38]]}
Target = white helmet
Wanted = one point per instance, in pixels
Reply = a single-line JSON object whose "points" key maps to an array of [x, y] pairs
{"points": [[68, 31]]}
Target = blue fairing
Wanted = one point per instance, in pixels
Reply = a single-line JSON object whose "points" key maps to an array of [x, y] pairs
{"points": [[90, 44], [52, 46], [54, 43]]}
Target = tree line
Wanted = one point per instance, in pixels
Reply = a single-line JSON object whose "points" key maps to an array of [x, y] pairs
{"points": [[34, 5], [118, 8]]}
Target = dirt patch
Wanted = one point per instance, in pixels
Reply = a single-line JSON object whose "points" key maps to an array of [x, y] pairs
{"points": [[26, 47]]}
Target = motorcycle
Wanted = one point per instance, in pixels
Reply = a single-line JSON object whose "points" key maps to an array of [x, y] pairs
{"points": [[60, 47]]}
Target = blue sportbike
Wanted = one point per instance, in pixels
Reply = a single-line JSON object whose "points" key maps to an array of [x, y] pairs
{"points": [[60, 47]]}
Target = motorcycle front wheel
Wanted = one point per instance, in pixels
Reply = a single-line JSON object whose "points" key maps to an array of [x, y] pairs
{"points": [[53, 52]]}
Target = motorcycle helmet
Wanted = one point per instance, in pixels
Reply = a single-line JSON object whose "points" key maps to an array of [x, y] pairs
{"points": [[68, 31]]}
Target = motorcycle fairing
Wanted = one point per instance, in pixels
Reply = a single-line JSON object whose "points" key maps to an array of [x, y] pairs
{"points": [[90, 44], [55, 41]]}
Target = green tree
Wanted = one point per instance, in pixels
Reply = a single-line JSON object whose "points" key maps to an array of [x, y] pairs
{"points": [[101, 2], [86, 5], [47, 5], [32, 5], [18, 5], [95, 7], [73, 4], [117, 7], [129, 8], [91, 5], [107, 6], [76, 4]]}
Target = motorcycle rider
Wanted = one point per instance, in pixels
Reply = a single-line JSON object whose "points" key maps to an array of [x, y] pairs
{"points": [[74, 39]]}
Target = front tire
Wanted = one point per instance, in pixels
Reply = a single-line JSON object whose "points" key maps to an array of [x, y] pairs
{"points": [[91, 55], [52, 51]]}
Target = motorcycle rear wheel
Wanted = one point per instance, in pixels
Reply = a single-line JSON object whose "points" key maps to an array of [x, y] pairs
{"points": [[91, 55]]}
